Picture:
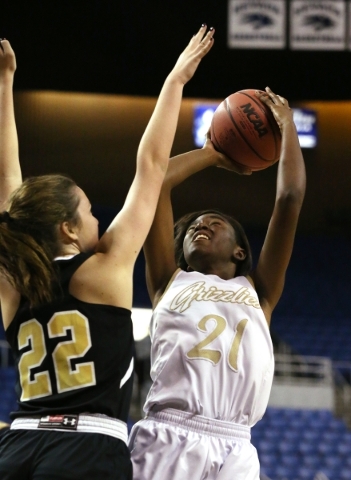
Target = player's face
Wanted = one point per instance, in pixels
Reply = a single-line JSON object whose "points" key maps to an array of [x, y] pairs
{"points": [[88, 232], [210, 238]]}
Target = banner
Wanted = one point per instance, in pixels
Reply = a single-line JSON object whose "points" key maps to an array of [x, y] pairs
{"points": [[305, 121], [257, 24], [318, 25]]}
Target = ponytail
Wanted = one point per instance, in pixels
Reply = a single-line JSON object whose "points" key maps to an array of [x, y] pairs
{"points": [[29, 238]]}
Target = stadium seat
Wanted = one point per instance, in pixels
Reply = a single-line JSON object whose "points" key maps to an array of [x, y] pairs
{"points": [[305, 473], [345, 473]]}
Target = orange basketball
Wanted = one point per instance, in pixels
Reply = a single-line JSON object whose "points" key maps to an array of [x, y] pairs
{"points": [[245, 130]]}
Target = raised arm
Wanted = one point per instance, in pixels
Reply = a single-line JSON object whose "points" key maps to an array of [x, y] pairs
{"points": [[10, 171], [269, 276], [159, 245], [126, 235]]}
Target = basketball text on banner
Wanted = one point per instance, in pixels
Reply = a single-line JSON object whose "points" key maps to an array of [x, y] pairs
{"points": [[257, 24], [318, 25]]}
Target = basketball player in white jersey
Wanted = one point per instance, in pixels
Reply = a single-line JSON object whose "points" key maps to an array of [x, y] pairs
{"points": [[212, 357]]}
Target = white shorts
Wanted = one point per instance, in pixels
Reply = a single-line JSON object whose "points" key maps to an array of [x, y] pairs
{"points": [[176, 445]]}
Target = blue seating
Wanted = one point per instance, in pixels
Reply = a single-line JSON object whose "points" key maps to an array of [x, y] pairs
{"points": [[330, 436], [277, 422], [307, 448], [287, 447], [343, 449], [267, 471], [326, 448], [265, 446], [268, 459], [336, 425], [321, 336], [291, 435], [310, 435], [283, 472], [297, 423], [345, 474], [296, 444], [291, 460], [272, 435], [334, 462], [306, 473], [311, 461], [330, 473]]}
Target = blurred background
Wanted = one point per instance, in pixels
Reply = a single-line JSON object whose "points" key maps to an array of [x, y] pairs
{"points": [[87, 80]]}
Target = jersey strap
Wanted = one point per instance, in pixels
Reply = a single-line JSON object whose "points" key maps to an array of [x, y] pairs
{"points": [[67, 267]]}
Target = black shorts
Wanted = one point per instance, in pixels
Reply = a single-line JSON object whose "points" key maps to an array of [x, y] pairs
{"points": [[44, 455]]}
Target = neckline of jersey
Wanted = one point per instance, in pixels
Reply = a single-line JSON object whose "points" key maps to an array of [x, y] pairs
{"points": [[65, 257]]}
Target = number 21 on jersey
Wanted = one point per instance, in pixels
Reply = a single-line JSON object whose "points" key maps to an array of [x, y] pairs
{"points": [[214, 356]]}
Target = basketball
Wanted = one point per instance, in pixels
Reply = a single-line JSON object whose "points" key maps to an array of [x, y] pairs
{"points": [[245, 130]]}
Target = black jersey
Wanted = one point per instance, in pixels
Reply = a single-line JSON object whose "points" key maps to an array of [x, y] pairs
{"points": [[72, 356]]}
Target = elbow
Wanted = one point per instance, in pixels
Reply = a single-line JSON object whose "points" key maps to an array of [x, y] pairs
{"points": [[291, 198]]}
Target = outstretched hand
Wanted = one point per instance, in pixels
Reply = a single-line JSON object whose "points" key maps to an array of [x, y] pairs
{"points": [[278, 105], [198, 47], [222, 161], [7, 58]]}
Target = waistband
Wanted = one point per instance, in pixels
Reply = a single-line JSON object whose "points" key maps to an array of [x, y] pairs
{"points": [[201, 424], [86, 423]]}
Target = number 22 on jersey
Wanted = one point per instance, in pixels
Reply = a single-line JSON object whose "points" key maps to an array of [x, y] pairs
{"points": [[31, 334], [214, 356]]}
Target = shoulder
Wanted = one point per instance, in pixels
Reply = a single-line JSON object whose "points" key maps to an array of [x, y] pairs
{"points": [[247, 280], [177, 275], [264, 305], [104, 281], [9, 300]]}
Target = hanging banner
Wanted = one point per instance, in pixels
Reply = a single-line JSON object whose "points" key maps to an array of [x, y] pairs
{"points": [[318, 25], [257, 24]]}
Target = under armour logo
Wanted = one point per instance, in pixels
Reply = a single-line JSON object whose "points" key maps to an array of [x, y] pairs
{"points": [[69, 421]]}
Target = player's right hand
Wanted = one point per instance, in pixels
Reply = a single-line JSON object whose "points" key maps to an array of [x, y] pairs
{"points": [[189, 60], [222, 161], [7, 58]]}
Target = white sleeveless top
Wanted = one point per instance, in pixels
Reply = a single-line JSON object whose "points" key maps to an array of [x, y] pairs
{"points": [[211, 350]]}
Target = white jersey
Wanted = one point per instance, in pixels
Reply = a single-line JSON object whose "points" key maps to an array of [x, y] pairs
{"points": [[211, 352]]}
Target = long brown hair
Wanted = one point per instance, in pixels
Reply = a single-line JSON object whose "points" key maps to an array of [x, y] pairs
{"points": [[182, 225], [29, 238]]}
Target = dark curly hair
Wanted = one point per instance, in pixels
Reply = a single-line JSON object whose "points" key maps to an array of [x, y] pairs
{"points": [[182, 225]]}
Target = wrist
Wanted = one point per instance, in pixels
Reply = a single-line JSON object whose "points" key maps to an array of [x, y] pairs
{"points": [[287, 124], [211, 156], [175, 78], [7, 77]]}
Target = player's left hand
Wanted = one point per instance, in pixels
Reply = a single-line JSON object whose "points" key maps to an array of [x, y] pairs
{"points": [[278, 105]]}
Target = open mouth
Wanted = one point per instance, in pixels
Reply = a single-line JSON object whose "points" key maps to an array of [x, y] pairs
{"points": [[200, 236]]}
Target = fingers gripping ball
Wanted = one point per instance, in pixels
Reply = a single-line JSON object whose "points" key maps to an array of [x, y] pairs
{"points": [[244, 129]]}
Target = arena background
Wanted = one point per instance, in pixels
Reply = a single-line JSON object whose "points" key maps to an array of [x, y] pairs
{"points": [[87, 80]]}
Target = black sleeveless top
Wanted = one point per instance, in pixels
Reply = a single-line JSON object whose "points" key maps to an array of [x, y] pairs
{"points": [[72, 356]]}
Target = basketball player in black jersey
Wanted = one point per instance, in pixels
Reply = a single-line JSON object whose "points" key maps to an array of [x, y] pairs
{"points": [[66, 297]]}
